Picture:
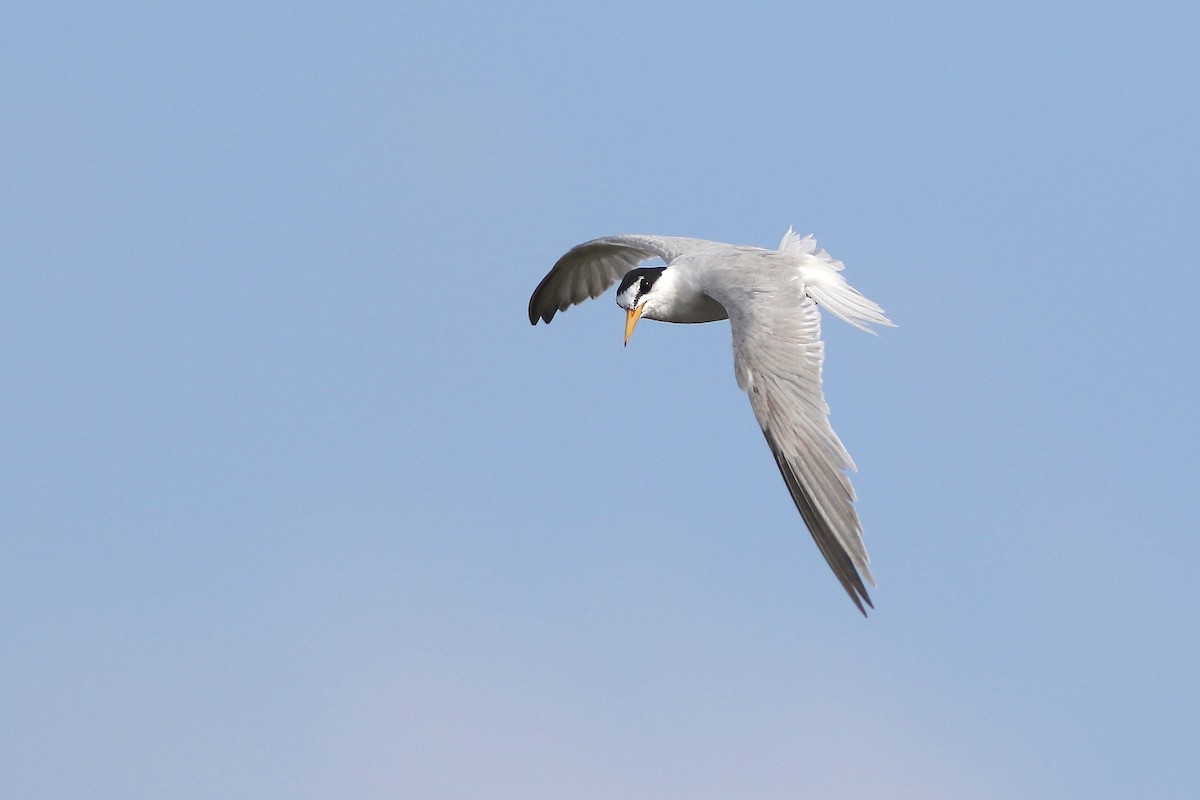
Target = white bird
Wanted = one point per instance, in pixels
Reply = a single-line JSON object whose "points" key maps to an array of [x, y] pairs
{"points": [[770, 298]]}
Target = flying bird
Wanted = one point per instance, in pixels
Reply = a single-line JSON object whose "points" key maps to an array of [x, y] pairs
{"points": [[771, 299]]}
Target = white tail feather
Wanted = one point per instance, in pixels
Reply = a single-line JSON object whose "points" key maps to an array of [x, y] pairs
{"points": [[820, 273]]}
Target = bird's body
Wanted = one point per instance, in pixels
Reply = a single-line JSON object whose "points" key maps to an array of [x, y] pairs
{"points": [[770, 298]]}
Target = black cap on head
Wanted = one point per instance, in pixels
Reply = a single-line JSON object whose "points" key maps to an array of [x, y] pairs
{"points": [[645, 275]]}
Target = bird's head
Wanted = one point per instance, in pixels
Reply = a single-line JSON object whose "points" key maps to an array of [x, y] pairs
{"points": [[636, 295]]}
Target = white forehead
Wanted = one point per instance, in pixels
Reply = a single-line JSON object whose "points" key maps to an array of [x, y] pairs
{"points": [[627, 298]]}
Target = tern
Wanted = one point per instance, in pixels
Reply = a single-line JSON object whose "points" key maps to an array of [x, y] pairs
{"points": [[771, 299]]}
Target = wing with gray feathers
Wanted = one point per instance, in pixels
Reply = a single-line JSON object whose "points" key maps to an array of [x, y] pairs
{"points": [[588, 269], [778, 354]]}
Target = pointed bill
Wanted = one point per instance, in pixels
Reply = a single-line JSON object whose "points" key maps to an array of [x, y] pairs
{"points": [[632, 315]]}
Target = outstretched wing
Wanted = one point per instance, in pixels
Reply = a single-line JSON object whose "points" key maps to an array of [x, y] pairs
{"points": [[588, 269], [778, 354]]}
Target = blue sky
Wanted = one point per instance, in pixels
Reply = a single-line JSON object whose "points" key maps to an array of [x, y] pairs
{"points": [[295, 503]]}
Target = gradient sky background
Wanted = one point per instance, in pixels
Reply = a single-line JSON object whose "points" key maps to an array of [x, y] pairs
{"points": [[296, 504]]}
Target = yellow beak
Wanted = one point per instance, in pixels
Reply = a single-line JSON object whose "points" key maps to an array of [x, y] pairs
{"points": [[632, 315]]}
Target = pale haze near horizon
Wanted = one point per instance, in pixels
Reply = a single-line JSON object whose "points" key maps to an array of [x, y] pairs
{"points": [[296, 503]]}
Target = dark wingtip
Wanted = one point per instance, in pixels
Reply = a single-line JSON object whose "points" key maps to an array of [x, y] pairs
{"points": [[535, 315], [865, 598], [836, 556], [536, 311]]}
